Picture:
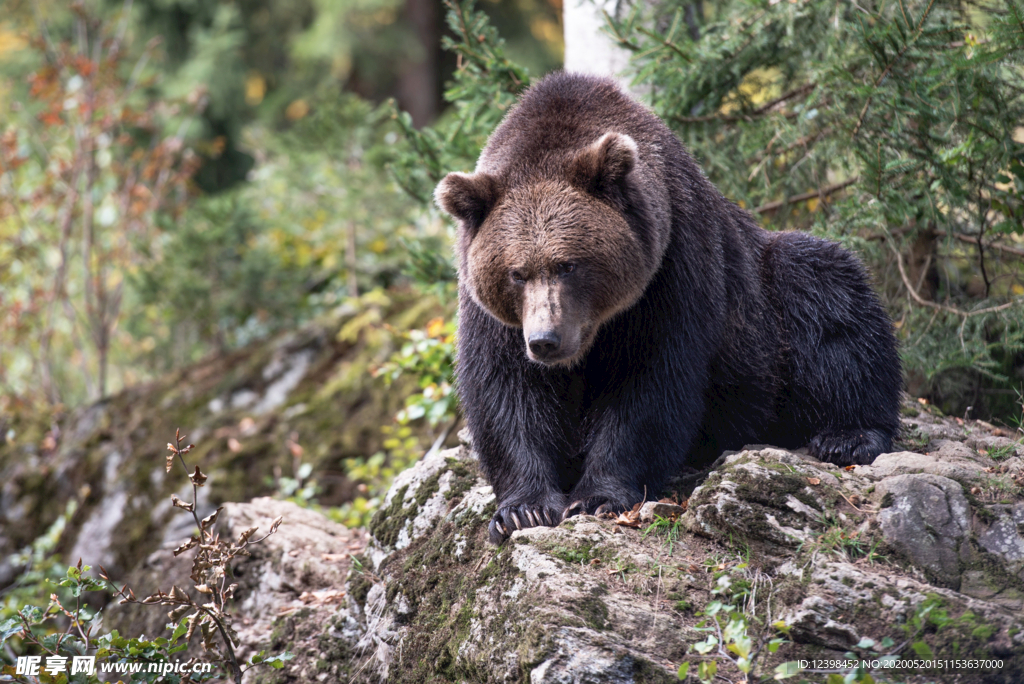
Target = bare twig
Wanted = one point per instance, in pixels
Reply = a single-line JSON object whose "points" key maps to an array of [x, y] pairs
{"points": [[942, 307], [823, 192], [973, 240]]}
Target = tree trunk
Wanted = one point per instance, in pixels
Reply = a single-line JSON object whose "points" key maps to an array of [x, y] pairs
{"points": [[589, 49], [418, 80]]}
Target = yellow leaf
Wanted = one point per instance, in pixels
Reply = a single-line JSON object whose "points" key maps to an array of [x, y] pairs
{"points": [[435, 327], [296, 110], [255, 88]]}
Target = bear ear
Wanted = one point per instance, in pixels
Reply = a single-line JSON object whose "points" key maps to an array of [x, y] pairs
{"points": [[468, 197], [605, 164]]}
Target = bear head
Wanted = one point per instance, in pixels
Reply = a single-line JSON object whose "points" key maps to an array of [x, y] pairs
{"points": [[553, 253]]}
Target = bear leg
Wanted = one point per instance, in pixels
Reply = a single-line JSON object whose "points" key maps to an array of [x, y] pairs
{"points": [[842, 382], [616, 477], [849, 447]]}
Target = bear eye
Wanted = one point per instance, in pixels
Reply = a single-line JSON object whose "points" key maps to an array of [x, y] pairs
{"points": [[566, 268], [518, 278]]}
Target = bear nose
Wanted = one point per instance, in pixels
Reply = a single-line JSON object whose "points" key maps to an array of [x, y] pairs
{"points": [[544, 344]]}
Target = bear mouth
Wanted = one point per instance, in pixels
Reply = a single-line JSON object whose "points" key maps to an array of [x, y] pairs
{"points": [[567, 360]]}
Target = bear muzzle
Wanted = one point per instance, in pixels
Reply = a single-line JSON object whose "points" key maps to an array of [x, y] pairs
{"points": [[551, 320], [544, 344], [553, 346]]}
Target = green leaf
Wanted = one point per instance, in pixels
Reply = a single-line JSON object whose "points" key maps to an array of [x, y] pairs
{"points": [[704, 647], [707, 670], [277, 661], [788, 669], [9, 628], [33, 614], [923, 649], [683, 669]]}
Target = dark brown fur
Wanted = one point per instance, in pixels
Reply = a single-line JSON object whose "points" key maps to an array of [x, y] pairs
{"points": [[618, 316]]}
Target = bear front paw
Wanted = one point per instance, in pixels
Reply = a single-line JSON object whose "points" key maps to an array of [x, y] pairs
{"points": [[849, 447], [521, 516]]}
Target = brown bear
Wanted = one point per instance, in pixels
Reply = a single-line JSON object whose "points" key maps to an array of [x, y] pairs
{"points": [[619, 318]]}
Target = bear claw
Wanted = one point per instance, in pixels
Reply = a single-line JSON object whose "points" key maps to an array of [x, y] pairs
{"points": [[608, 508], [510, 518], [568, 512], [593, 506]]}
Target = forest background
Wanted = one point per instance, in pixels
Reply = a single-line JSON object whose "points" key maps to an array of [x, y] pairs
{"points": [[181, 179]]}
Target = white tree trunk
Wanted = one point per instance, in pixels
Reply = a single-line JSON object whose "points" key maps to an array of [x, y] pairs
{"points": [[589, 49]]}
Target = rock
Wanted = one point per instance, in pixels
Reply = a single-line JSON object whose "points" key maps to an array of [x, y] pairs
{"points": [[588, 601], [768, 497], [652, 510], [301, 568], [949, 460], [812, 623], [1003, 536], [925, 518], [538, 608]]}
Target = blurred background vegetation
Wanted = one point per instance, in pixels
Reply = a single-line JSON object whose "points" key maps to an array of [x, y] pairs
{"points": [[282, 116], [180, 180]]}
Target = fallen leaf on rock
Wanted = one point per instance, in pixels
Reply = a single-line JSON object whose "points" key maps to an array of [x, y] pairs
{"points": [[629, 518], [332, 557], [814, 480], [320, 598]]}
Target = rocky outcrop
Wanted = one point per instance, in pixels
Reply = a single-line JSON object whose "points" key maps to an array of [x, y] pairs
{"points": [[918, 555]]}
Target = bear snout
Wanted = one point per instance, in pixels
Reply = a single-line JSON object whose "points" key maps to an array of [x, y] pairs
{"points": [[545, 344]]}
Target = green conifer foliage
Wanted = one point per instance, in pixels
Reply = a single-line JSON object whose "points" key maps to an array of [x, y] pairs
{"points": [[892, 126]]}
